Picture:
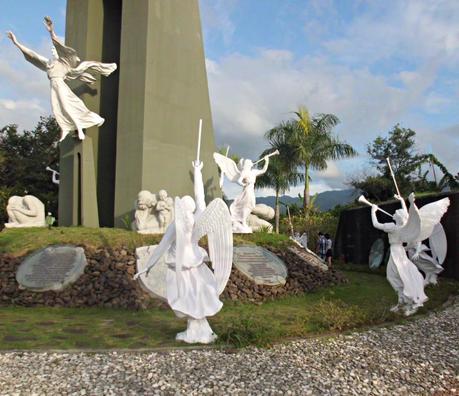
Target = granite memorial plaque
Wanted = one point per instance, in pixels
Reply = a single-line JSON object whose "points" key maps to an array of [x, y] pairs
{"points": [[51, 268], [260, 265], [155, 282]]}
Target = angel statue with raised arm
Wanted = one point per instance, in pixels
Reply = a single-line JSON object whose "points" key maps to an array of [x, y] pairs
{"points": [[245, 175], [70, 112], [192, 288], [402, 274]]}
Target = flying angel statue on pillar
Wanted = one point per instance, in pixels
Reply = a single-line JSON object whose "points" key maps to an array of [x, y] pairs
{"points": [[70, 112], [192, 288]]}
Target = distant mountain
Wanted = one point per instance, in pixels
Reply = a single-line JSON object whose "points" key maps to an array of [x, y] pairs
{"points": [[325, 201]]}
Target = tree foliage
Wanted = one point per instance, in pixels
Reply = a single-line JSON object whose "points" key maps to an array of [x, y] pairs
{"points": [[24, 157], [282, 172], [313, 144], [400, 147]]}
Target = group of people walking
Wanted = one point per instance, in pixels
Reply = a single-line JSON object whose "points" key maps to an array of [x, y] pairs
{"points": [[325, 247]]}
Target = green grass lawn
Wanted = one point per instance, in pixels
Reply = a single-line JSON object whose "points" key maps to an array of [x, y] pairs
{"points": [[22, 241], [364, 301]]}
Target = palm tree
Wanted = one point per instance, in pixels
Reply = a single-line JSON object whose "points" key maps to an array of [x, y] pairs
{"points": [[313, 144], [282, 172]]}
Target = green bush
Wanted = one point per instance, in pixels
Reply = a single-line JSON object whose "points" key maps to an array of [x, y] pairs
{"points": [[327, 222], [337, 315]]}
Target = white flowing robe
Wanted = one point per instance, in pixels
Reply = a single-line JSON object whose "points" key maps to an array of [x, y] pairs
{"points": [[69, 110], [402, 274]]}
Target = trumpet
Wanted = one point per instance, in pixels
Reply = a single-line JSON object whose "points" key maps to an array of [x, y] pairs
{"points": [[267, 156], [363, 200]]}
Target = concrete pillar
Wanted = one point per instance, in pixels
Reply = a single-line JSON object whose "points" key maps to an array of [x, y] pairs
{"points": [[162, 94]]}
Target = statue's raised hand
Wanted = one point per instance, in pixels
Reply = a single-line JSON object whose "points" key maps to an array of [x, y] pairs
{"points": [[48, 24], [12, 37], [197, 164]]}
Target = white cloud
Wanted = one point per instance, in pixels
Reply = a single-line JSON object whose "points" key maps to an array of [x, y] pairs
{"points": [[216, 16], [404, 29], [24, 93]]}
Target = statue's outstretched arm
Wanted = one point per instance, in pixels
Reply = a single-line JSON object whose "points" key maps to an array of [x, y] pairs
{"points": [[259, 172], [199, 195], [50, 28], [31, 56], [386, 227], [402, 202]]}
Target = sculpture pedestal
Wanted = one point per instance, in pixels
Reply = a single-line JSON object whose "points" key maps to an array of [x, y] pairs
{"points": [[77, 188]]}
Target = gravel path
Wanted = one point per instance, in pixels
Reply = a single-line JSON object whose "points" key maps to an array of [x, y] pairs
{"points": [[421, 357]]}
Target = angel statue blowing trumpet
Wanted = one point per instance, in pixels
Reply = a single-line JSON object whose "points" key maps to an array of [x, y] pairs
{"points": [[411, 226], [246, 176], [70, 111], [192, 288]]}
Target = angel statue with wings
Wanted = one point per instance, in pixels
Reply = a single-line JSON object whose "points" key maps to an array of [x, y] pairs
{"points": [[410, 226], [192, 288], [70, 112], [246, 176]]}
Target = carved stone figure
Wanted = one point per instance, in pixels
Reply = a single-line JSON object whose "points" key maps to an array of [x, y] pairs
{"points": [[410, 227], [165, 209], [27, 211], [192, 288], [153, 215], [70, 111], [258, 219], [244, 175]]}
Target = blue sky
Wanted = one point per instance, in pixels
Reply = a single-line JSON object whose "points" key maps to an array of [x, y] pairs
{"points": [[372, 63]]}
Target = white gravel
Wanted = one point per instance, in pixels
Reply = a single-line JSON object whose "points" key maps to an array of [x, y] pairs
{"points": [[420, 357]]}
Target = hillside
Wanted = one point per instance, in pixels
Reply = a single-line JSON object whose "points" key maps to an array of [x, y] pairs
{"points": [[325, 201]]}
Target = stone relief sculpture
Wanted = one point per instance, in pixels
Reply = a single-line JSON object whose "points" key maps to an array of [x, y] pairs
{"points": [[27, 211], [246, 176], [152, 214], [192, 288], [70, 112]]}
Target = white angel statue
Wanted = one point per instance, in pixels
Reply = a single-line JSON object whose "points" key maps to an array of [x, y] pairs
{"points": [[70, 111], [402, 274], [192, 288], [246, 176], [430, 264]]}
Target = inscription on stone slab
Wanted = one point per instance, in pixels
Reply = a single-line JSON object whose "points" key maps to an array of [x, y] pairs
{"points": [[52, 268], [155, 282], [260, 265]]}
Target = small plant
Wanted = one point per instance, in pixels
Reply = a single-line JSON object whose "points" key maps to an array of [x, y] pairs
{"points": [[248, 331], [126, 220], [337, 315]]}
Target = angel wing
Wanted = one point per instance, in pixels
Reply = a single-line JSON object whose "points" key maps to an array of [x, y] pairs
{"points": [[409, 233], [215, 222], [228, 167], [431, 215], [438, 243]]}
